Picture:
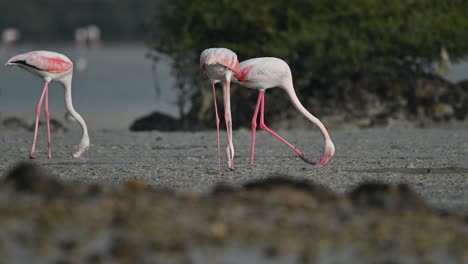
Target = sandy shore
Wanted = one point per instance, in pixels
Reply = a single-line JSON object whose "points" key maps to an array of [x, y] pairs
{"points": [[434, 162]]}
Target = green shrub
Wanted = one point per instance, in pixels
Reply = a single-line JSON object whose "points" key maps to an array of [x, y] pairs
{"points": [[334, 48]]}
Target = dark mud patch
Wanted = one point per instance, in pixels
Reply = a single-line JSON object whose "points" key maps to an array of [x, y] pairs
{"points": [[276, 220]]}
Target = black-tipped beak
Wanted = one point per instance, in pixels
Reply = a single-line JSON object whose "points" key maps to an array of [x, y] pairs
{"points": [[10, 63], [306, 160]]}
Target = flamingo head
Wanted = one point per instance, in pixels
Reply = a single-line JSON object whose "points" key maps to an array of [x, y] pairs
{"points": [[84, 145], [15, 59], [328, 152]]}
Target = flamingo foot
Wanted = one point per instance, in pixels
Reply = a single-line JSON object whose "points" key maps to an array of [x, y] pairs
{"points": [[306, 160], [323, 160], [231, 165], [31, 156]]}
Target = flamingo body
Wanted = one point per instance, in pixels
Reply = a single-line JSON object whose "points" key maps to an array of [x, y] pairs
{"points": [[51, 66], [43, 63], [219, 64], [265, 73]]}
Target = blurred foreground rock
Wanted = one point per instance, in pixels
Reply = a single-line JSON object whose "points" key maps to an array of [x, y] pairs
{"points": [[277, 219]]}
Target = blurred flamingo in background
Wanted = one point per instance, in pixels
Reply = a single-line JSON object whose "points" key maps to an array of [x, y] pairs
{"points": [[265, 73], [86, 37], [81, 35], [51, 66], [219, 64], [9, 37]]}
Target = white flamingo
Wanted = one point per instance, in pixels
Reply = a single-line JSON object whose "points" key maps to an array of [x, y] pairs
{"points": [[219, 64], [51, 66], [265, 73], [9, 37], [86, 38]]}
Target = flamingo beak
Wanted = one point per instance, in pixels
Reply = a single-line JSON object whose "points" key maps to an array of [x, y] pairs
{"points": [[13, 60], [9, 62]]}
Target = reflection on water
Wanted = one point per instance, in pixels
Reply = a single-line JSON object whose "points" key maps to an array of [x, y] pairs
{"points": [[116, 87]]}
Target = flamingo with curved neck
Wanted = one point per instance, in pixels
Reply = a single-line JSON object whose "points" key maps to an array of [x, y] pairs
{"points": [[51, 66], [219, 64], [268, 72]]}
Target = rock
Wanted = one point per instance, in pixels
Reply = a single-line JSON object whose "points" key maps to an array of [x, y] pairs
{"points": [[28, 177], [55, 126], [386, 196], [135, 185], [156, 121], [461, 106], [276, 183], [437, 99], [14, 123]]}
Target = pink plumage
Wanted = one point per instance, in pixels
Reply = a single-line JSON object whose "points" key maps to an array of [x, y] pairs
{"points": [[51, 66], [48, 61], [219, 64], [265, 73], [221, 56]]}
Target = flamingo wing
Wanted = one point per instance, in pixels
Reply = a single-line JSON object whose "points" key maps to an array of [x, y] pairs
{"points": [[262, 73], [44, 61]]}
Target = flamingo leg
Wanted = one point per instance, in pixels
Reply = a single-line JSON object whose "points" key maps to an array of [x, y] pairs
{"points": [[271, 132], [228, 120], [38, 111], [217, 124], [254, 126], [47, 117]]}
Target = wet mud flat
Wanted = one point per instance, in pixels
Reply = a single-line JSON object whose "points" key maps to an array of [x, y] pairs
{"points": [[433, 162], [388, 195], [274, 220]]}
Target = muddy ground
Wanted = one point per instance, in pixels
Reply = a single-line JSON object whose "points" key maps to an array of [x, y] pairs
{"points": [[388, 195]]}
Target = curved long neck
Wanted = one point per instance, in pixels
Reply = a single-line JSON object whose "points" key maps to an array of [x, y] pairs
{"points": [[292, 94], [66, 81]]}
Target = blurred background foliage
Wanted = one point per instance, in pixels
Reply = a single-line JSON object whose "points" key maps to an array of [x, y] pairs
{"points": [[350, 59], [57, 20], [366, 60]]}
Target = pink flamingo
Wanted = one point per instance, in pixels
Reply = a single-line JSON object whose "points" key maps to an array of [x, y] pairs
{"points": [[265, 73], [51, 66], [219, 64]]}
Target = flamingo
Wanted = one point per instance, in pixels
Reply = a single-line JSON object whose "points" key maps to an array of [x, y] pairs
{"points": [[219, 64], [51, 66], [264, 73], [9, 37]]}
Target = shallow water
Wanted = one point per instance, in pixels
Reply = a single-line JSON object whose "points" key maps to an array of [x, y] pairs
{"points": [[116, 87]]}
